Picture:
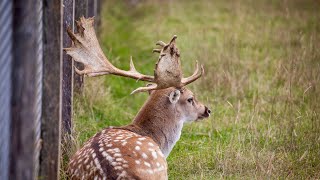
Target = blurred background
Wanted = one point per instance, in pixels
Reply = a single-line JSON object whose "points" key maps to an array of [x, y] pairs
{"points": [[262, 75]]}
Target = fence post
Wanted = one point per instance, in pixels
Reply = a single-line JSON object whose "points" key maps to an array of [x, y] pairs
{"points": [[98, 12], [94, 10], [81, 7], [52, 75], [5, 84], [26, 89], [67, 81], [91, 8]]}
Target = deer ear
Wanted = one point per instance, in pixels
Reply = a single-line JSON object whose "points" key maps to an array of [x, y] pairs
{"points": [[174, 96]]}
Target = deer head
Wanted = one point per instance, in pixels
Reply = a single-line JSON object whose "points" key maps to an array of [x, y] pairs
{"points": [[167, 73], [164, 113]]}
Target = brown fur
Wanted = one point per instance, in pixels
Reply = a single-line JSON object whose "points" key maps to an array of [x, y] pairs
{"points": [[158, 118], [159, 123]]}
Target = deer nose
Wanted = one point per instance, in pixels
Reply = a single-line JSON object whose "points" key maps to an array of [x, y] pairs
{"points": [[207, 110]]}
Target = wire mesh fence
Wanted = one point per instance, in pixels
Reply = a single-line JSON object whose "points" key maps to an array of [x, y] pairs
{"points": [[37, 84]]}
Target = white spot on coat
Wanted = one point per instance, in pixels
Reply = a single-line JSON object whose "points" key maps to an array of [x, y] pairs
{"points": [[154, 155], [118, 168], [147, 164], [160, 153], [138, 142], [144, 155], [150, 171], [119, 159], [123, 174], [116, 150]]}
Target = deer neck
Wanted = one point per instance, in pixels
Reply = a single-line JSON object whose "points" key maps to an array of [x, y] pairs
{"points": [[160, 121]]}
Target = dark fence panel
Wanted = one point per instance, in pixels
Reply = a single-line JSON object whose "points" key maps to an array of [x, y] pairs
{"points": [[5, 84], [81, 9], [94, 10], [67, 81], [98, 12], [51, 99], [26, 89], [37, 83]]}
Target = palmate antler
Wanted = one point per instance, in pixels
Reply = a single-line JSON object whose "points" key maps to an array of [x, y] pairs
{"points": [[86, 49]]}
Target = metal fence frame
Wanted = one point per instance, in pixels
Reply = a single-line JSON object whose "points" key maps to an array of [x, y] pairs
{"points": [[37, 84], [26, 89], [5, 84]]}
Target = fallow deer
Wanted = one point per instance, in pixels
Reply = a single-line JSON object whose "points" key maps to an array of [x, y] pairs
{"points": [[139, 150]]}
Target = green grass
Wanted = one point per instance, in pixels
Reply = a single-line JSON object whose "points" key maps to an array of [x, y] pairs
{"points": [[262, 62]]}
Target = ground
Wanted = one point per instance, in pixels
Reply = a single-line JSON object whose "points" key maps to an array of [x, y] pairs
{"points": [[262, 63]]}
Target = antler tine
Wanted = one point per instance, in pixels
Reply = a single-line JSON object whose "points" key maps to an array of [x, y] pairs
{"points": [[196, 75], [173, 39], [156, 50], [132, 68], [161, 43], [147, 88], [86, 49], [79, 27]]}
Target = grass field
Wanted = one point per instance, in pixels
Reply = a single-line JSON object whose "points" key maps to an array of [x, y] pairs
{"points": [[262, 82]]}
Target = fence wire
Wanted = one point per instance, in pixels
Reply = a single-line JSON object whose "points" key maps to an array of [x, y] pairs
{"points": [[38, 87], [5, 84]]}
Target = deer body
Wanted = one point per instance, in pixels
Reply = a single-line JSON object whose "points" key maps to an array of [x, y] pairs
{"points": [[118, 154], [139, 150]]}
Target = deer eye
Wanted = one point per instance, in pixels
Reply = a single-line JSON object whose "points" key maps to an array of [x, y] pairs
{"points": [[190, 100]]}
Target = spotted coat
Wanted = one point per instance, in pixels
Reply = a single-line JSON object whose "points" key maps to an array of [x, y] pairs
{"points": [[118, 154]]}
